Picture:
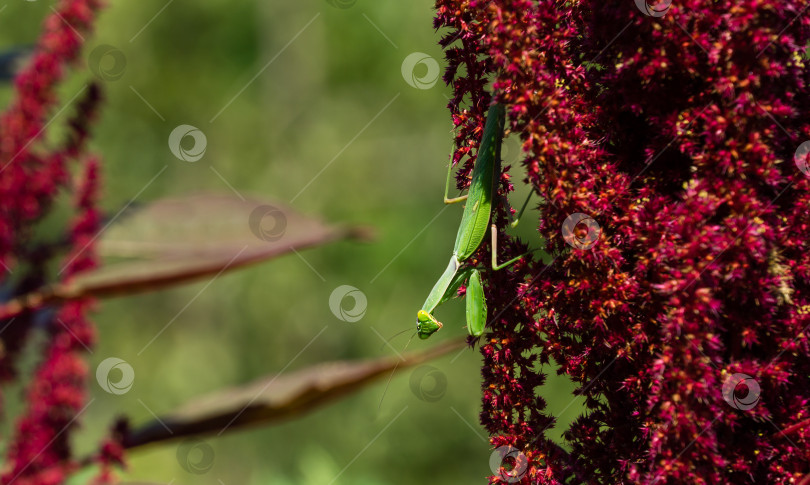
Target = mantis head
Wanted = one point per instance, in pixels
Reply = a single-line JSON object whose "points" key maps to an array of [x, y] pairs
{"points": [[426, 324]]}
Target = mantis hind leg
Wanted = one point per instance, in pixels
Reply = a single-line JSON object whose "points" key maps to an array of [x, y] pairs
{"points": [[447, 188], [522, 209], [495, 265], [514, 223]]}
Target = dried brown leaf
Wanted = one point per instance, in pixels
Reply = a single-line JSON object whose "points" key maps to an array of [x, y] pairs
{"points": [[275, 398], [174, 241]]}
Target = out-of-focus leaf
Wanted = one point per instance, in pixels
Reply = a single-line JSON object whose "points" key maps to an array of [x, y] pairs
{"points": [[173, 241], [275, 398]]}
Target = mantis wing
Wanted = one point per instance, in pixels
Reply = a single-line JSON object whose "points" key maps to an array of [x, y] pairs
{"points": [[475, 220]]}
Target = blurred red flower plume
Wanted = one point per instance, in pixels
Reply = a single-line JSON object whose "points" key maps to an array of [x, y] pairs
{"points": [[33, 173]]}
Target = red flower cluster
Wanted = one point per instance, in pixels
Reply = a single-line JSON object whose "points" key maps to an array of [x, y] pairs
{"points": [[33, 173], [677, 292]]}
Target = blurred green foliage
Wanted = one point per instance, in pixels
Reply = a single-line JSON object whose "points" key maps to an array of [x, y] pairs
{"points": [[292, 122]]}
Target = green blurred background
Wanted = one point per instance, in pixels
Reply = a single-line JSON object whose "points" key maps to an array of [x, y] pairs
{"points": [[297, 129]]}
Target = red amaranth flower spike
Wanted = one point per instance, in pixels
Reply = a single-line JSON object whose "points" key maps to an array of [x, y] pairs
{"points": [[668, 138], [40, 451], [24, 121]]}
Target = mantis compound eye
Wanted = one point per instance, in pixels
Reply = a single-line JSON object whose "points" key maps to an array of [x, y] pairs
{"points": [[426, 324]]}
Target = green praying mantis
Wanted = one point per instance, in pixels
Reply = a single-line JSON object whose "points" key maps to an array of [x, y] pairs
{"points": [[471, 232]]}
